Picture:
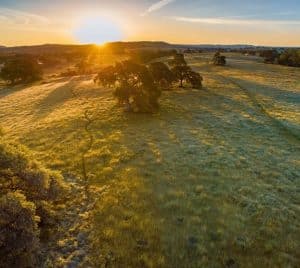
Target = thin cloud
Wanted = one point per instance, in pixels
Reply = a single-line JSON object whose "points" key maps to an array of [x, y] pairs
{"points": [[224, 21], [13, 16], [157, 6]]}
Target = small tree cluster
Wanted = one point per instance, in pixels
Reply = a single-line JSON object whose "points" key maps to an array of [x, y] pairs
{"points": [[290, 57], [21, 69], [219, 60], [184, 73], [134, 85], [27, 193], [270, 56]]}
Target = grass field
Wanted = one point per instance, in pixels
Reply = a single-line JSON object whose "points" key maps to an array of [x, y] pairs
{"points": [[212, 180]]}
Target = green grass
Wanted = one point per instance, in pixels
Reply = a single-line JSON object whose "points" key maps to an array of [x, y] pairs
{"points": [[209, 181]]}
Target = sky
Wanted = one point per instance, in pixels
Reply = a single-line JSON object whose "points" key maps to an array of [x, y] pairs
{"points": [[257, 22]]}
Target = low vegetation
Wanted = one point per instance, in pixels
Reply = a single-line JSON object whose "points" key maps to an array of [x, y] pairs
{"points": [[27, 195]]}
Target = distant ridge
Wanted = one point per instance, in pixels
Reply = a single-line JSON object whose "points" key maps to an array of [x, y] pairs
{"points": [[62, 48]]}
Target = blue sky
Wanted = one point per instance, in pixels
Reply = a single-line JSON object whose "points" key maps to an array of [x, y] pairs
{"points": [[179, 21]]}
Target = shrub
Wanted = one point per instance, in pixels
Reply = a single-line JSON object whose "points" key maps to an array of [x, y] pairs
{"points": [[18, 171], [219, 60], [21, 69], [27, 196], [19, 231]]}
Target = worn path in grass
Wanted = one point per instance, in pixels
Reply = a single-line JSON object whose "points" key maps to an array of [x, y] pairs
{"points": [[209, 181]]}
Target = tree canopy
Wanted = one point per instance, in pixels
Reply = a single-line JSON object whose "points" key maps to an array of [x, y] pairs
{"points": [[184, 73], [162, 75], [134, 85], [219, 60], [21, 69]]}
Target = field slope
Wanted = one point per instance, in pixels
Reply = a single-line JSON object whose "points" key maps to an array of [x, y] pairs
{"points": [[212, 180]]}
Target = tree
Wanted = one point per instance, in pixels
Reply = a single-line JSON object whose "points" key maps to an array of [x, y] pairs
{"points": [[270, 56], [195, 79], [179, 68], [183, 72], [162, 75], [134, 85], [290, 57], [219, 60], [21, 69]]}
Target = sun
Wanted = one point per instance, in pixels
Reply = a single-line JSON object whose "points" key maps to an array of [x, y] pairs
{"points": [[98, 30]]}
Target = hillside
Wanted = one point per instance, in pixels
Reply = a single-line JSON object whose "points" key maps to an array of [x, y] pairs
{"points": [[211, 180]]}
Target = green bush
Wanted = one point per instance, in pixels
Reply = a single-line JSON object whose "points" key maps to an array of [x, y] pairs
{"points": [[19, 233], [27, 197], [19, 171]]}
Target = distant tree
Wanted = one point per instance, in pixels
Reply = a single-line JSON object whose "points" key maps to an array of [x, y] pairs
{"points": [[290, 57], [179, 68], [134, 86], [21, 69], [195, 79], [178, 60], [162, 75], [183, 72], [219, 60], [270, 56]]}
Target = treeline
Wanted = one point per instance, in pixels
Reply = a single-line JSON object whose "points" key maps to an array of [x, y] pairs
{"points": [[289, 57], [28, 197]]}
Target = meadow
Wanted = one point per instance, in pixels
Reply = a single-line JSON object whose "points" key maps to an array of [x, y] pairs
{"points": [[210, 180]]}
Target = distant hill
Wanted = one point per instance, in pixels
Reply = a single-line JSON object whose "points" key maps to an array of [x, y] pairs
{"points": [[58, 48], [47, 48]]}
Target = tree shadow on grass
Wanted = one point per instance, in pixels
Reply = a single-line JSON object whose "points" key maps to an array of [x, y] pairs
{"points": [[56, 98], [172, 179]]}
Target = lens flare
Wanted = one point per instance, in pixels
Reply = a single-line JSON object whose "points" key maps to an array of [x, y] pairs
{"points": [[98, 30]]}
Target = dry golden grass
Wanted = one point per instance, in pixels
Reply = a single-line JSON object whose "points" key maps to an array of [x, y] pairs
{"points": [[209, 181]]}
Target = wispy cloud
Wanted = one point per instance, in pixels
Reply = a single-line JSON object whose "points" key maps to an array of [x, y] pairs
{"points": [[230, 21], [13, 19], [12, 16], [156, 6]]}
